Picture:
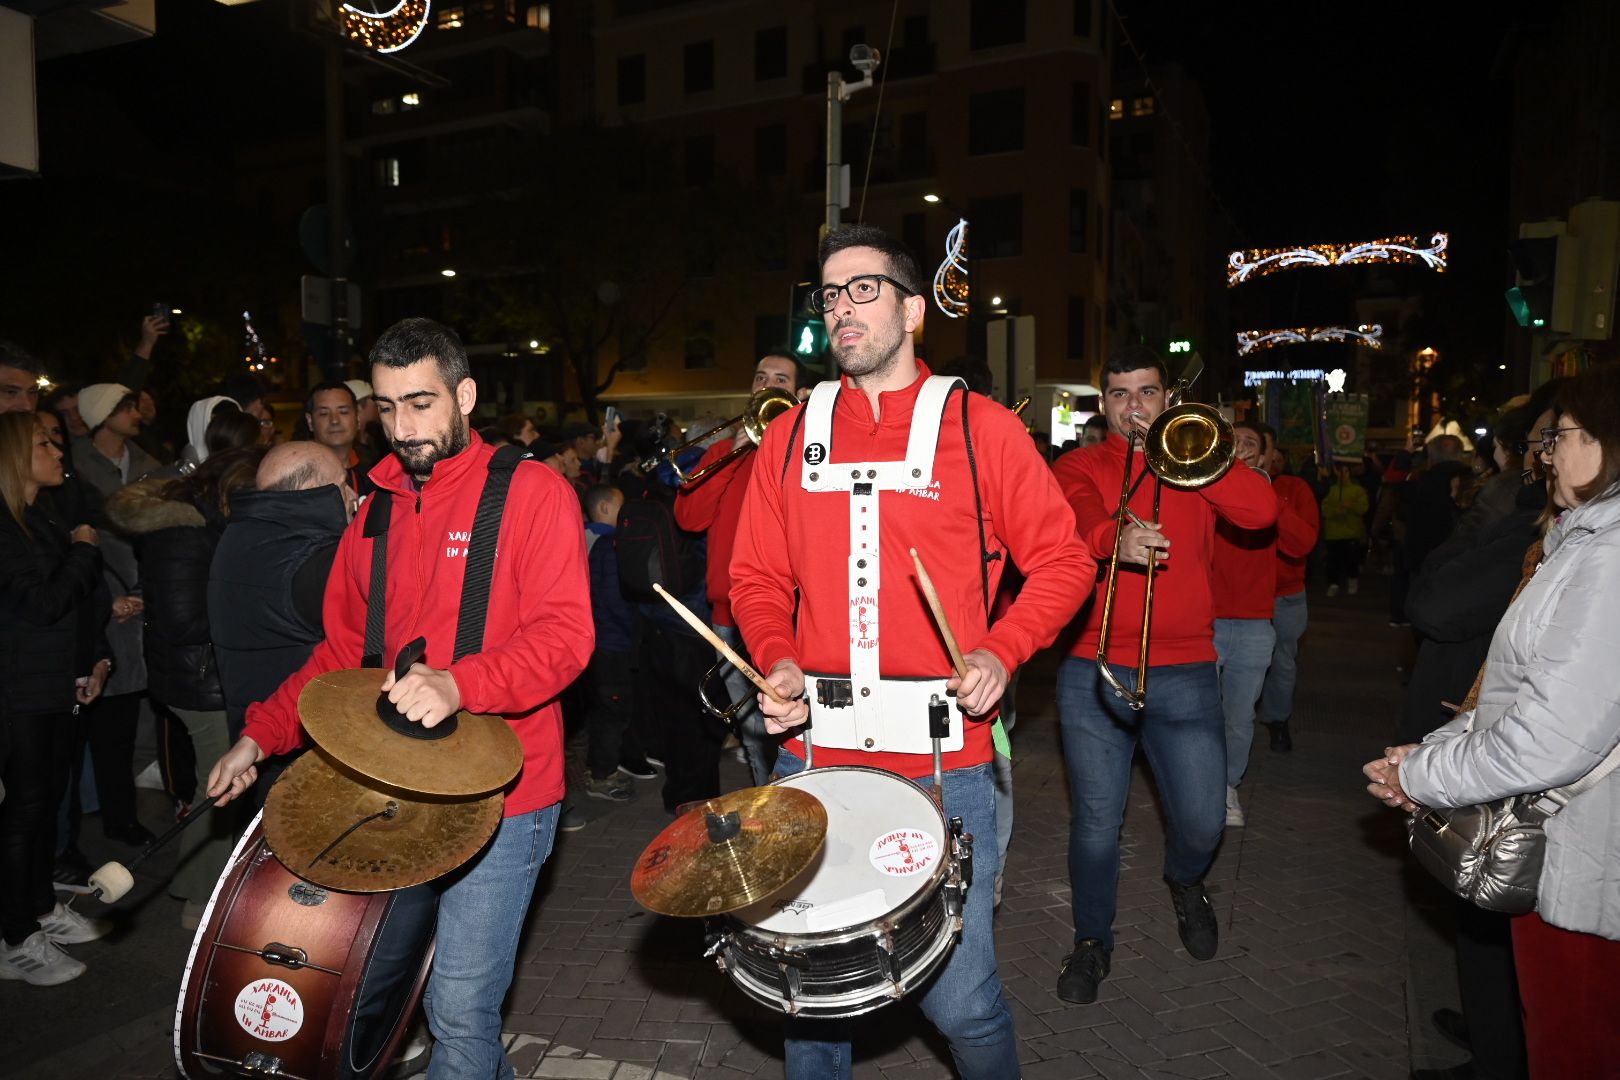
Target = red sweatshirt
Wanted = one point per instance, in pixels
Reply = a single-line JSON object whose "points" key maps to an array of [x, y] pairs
{"points": [[1299, 523], [714, 505], [1248, 562], [789, 571], [538, 633], [1183, 619]]}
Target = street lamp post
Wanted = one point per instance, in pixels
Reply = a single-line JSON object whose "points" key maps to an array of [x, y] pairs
{"points": [[866, 60]]}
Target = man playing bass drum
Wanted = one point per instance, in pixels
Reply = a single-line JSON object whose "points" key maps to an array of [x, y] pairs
{"points": [[955, 476], [1181, 727]]}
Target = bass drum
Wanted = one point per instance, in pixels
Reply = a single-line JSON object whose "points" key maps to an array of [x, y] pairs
{"points": [[286, 978]]}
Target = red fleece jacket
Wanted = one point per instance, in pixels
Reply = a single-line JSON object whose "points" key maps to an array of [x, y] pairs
{"points": [[538, 634], [1183, 618], [1249, 562], [714, 505], [789, 571], [1299, 523]]}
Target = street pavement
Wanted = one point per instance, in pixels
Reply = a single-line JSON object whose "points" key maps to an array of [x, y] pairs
{"points": [[1325, 968]]}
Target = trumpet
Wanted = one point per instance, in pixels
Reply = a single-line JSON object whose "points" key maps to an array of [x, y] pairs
{"points": [[1189, 446], [763, 407]]}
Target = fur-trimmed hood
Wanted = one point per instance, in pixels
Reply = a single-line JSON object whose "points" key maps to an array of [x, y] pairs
{"points": [[140, 508]]}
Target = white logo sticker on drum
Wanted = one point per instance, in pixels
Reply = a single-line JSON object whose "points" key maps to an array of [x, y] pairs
{"points": [[270, 1010], [904, 852]]}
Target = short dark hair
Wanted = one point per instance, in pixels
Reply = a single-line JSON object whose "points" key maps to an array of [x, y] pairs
{"points": [[512, 426], [597, 494], [1250, 425], [410, 341], [326, 387], [1135, 358], [1096, 420], [14, 355], [801, 374], [903, 265], [1592, 399]]}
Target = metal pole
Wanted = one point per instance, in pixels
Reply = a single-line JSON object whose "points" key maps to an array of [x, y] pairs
{"points": [[336, 218], [835, 148]]}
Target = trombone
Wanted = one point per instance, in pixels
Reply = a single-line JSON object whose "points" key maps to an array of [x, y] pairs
{"points": [[1189, 446], [763, 407]]}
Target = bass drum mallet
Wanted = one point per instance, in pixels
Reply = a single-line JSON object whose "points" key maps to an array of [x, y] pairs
{"points": [[112, 881]]}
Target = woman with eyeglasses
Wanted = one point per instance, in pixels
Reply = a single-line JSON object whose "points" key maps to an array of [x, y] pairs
{"points": [[1547, 714]]}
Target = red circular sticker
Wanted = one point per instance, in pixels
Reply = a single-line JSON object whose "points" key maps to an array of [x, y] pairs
{"points": [[904, 852], [270, 1010]]}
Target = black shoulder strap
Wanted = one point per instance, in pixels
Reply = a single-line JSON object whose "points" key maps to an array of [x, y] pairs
{"points": [[379, 507], [985, 557], [486, 531], [793, 436]]}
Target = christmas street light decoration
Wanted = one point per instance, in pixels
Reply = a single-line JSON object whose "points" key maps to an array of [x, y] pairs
{"points": [[1369, 335], [1258, 262], [951, 287], [383, 27]]}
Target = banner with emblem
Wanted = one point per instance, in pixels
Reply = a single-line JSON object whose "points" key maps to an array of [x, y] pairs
{"points": [[1344, 426]]}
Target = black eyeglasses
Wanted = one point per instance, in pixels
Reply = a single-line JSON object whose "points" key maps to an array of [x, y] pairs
{"points": [[1550, 436], [862, 289]]}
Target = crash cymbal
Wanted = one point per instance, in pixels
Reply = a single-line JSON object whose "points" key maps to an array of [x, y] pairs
{"points": [[729, 852], [339, 710], [317, 800]]}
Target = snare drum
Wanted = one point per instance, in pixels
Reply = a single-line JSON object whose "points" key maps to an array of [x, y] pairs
{"points": [[871, 918], [287, 978]]}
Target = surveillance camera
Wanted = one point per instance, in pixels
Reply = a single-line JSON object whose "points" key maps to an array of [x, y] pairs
{"points": [[865, 59]]}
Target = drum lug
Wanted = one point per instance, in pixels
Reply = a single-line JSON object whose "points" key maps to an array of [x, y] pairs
{"points": [[255, 1063], [888, 962], [287, 956], [964, 848]]}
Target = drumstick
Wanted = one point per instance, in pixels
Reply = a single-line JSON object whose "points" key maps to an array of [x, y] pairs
{"points": [[939, 615], [726, 651]]}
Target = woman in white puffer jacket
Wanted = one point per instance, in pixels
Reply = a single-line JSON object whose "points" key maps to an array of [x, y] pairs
{"points": [[1548, 714]]}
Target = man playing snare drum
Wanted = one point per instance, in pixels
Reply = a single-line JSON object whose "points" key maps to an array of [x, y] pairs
{"points": [[852, 463]]}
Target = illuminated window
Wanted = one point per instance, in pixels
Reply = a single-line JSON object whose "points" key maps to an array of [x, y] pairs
{"points": [[538, 17], [412, 100], [383, 106], [387, 172], [1116, 109], [1142, 106], [451, 18]]}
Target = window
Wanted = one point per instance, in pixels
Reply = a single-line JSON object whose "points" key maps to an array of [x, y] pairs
{"points": [[1082, 18], [913, 143], [1116, 109], [387, 172], [914, 32], [996, 226], [699, 160], [1142, 106], [700, 345], [451, 18], [699, 67], [1079, 216], [996, 121], [384, 106], [632, 79], [914, 234], [538, 17], [1080, 114], [1077, 329], [770, 53], [767, 334], [996, 22], [770, 150]]}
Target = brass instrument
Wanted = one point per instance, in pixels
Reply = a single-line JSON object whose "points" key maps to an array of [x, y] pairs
{"points": [[1188, 446], [763, 407]]}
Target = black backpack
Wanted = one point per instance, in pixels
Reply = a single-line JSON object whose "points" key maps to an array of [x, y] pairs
{"points": [[651, 548]]}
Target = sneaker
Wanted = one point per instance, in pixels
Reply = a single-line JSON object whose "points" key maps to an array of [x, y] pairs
{"points": [[1195, 919], [71, 868], [1281, 741], [1234, 809], [1083, 971], [40, 961], [638, 769], [1354, 584], [65, 926], [1333, 590], [609, 787], [571, 820]]}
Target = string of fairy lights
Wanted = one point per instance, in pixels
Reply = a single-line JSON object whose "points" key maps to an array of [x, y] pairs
{"points": [[385, 31], [951, 286], [1369, 335], [1242, 266]]}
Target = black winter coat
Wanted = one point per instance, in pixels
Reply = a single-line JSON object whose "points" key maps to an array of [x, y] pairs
{"points": [[175, 543], [52, 608]]}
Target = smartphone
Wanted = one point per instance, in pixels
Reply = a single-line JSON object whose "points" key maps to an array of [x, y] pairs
{"points": [[160, 311], [610, 420]]}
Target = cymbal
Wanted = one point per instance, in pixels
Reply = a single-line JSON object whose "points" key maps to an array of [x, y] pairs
{"points": [[339, 710], [730, 852], [316, 800]]}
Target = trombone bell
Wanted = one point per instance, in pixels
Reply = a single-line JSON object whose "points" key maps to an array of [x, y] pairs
{"points": [[762, 408]]}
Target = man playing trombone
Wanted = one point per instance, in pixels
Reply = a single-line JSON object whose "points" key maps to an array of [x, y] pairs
{"points": [[1175, 708]]}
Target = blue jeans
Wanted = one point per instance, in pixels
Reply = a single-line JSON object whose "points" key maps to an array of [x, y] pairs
{"points": [[1288, 620], [481, 911], [1182, 732], [963, 999], [1242, 655], [759, 746]]}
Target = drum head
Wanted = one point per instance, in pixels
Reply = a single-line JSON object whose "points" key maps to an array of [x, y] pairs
{"points": [[886, 842]]}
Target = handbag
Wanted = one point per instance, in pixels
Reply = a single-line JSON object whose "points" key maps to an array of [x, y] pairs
{"points": [[1490, 854]]}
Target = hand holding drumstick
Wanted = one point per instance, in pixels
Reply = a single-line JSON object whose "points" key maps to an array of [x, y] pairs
{"points": [[781, 696], [981, 678]]}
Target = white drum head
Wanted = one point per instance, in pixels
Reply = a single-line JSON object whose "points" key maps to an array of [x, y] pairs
{"points": [[885, 843]]}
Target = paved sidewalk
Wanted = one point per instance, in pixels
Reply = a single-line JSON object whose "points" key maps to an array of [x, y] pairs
{"points": [[1310, 983]]}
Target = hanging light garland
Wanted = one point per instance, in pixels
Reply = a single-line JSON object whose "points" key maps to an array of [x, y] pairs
{"points": [[951, 288], [385, 31], [1258, 262], [1368, 334]]}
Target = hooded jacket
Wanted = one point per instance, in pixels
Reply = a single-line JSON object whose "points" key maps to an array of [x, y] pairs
{"points": [[174, 540], [1549, 713], [52, 606], [201, 411], [538, 635]]}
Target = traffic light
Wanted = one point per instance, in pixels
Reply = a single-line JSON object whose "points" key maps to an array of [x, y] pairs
{"points": [[807, 333], [1535, 262]]}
